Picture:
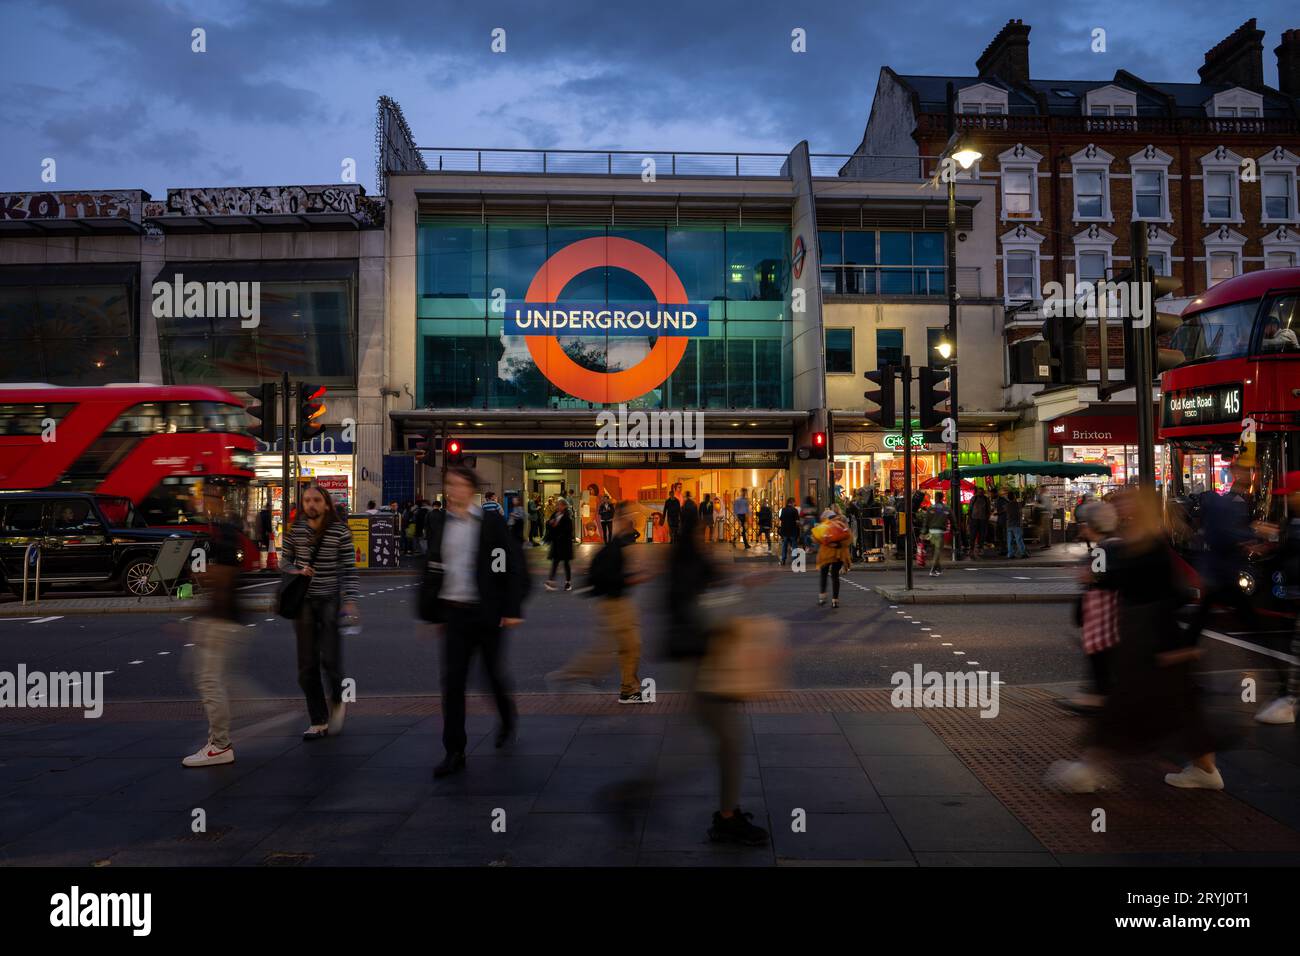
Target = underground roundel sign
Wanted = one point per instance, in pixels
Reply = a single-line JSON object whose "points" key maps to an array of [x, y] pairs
{"points": [[797, 256], [671, 318]]}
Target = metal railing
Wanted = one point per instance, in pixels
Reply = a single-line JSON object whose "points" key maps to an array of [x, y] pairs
{"points": [[925, 281], [627, 162], [935, 124]]}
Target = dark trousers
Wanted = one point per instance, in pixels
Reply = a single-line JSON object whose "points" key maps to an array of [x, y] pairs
{"points": [[741, 522], [764, 533], [833, 569], [464, 635], [672, 531], [568, 573], [607, 531], [1228, 594], [979, 529], [319, 649]]}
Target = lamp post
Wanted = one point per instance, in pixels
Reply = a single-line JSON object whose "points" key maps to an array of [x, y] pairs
{"points": [[963, 154]]}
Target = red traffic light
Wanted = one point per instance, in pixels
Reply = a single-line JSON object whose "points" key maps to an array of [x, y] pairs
{"points": [[819, 439], [453, 446]]}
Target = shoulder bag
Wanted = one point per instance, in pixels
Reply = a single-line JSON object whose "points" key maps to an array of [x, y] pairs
{"points": [[294, 591]]}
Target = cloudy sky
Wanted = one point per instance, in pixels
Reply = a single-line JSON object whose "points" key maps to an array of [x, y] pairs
{"points": [[286, 90]]}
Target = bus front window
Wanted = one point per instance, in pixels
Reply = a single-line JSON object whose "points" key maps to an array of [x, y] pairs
{"points": [[1216, 333]]}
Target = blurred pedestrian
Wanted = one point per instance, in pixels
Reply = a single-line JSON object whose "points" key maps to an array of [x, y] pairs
{"points": [[534, 520], [979, 522], [740, 508], [1097, 611], [707, 506], [765, 524], [1282, 709], [1013, 518], [696, 620], [1225, 523], [321, 548], [1151, 695], [936, 521], [218, 631], [611, 577], [672, 516], [559, 534], [832, 536], [606, 512], [474, 599]]}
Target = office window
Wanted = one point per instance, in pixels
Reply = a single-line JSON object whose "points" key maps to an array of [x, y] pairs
{"points": [[1018, 193], [1218, 195], [1022, 276], [830, 245], [839, 350], [1277, 195], [1148, 193], [1223, 265], [859, 250], [889, 347], [1089, 194]]}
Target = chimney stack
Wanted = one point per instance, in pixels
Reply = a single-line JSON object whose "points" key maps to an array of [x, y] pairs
{"points": [[1238, 59], [1288, 63], [1008, 55]]}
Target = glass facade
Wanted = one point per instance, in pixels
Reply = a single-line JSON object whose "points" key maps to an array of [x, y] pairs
{"points": [[870, 262], [68, 334], [468, 271], [306, 329]]}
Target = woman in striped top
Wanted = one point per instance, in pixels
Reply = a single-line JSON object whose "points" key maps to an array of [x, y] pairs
{"points": [[333, 574]]}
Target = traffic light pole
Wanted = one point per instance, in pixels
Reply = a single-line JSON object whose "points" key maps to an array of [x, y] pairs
{"points": [[908, 541], [954, 493], [285, 437], [1141, 340]]}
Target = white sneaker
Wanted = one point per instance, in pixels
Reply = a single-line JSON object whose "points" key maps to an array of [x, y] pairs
{"points": [[1280, 711], [210, 756], [549, 585], [1072, 776], [1193, 777], [337, 713]]}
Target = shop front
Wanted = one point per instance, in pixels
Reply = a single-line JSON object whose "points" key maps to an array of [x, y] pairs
{"points": [[328, 459], [866, 460], [1110, 440]]}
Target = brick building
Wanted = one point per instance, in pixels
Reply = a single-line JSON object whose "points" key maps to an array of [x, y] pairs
{"points": [[1210, 167]]}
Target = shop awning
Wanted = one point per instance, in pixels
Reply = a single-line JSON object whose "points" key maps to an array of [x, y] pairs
{"points": [[1052, 469]]}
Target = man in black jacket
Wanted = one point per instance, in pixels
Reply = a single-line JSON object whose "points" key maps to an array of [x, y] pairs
{"points": [[480, 592], [789, 529], [672, 516]]}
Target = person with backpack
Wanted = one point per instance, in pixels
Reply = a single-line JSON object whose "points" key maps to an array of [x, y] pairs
{"points": [[832, 536], [611, 578], [474, 599], [321, 549], [559, 534]]}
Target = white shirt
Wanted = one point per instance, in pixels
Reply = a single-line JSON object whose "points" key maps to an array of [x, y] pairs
{"points": [[460, 538]]}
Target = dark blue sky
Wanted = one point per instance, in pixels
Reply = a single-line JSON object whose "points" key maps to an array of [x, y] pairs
{"points": [[286, 90]]}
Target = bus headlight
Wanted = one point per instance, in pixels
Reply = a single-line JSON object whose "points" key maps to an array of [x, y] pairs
{"points": [[1246, 581]]}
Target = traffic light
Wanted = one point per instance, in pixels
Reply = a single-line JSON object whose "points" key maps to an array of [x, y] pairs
{"points": [[425, 448], [883, 377], [1064, 335], [262, 414], [931, 396], [311, 409], [819, 444], [1161, 325], [454, 452]]}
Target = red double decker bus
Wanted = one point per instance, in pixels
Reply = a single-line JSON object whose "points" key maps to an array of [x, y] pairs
{"points": [[1241, 377], [157, 445]]}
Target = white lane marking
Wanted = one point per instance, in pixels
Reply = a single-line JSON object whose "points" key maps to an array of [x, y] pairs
{"points": [[250, 625], [1016, 577], [46, 620], [946, 644], [261, 584], [190, 618], [189, 645], [270, 619], [972, 663], [163, 653], [1267, 652], [925, 628], [962, 653], [137, 662]]}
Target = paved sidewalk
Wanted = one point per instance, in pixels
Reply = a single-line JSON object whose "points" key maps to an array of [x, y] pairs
{"points": [[876, 785]]}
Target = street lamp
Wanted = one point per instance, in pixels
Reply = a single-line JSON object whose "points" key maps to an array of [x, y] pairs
{"points": [[963, 151]]}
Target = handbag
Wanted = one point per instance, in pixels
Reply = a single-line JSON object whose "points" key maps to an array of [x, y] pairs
{"points": [[294, 591]]}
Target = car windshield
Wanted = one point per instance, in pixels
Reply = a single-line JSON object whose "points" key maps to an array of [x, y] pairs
{"points": [[1216, 333]]}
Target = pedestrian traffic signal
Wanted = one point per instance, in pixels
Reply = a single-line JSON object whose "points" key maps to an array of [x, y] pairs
{"points": [[931, 396], [1064, 335], [819, 444], [454, 452], [883, 396], [262, 415], [311, 409]]}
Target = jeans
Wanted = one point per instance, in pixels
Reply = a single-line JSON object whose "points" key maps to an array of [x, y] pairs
{"points": [[833, 569], [788, 544], [1016, 541], [744, 532], [607, 531], [319, 648], [464, 635], [218, 644]]}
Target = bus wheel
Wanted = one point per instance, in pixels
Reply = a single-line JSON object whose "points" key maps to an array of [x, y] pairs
{"points": [[136, 578]]}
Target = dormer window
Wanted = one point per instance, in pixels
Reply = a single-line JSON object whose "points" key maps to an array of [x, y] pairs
{"points": [[1110, 101], [1236, 103], [982, 98]]}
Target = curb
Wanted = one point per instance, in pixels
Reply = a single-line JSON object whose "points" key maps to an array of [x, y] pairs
{"points": [[90, 607], [920, 597]]}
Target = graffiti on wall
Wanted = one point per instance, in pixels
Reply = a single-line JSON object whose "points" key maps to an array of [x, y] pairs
{"points": [[116, 204], [262, 200]]}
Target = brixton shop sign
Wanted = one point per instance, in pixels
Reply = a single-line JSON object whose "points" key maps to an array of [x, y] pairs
{"points": [[671, 318]]}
